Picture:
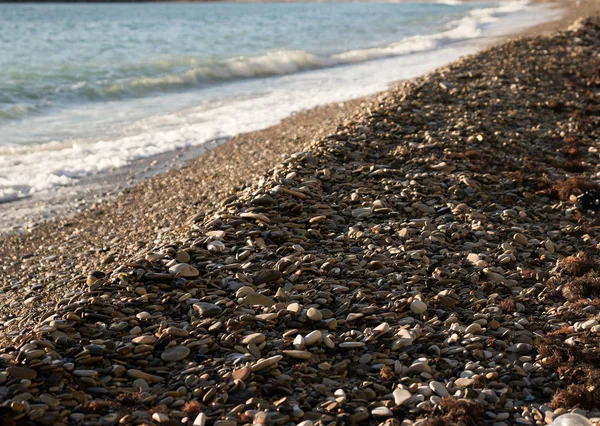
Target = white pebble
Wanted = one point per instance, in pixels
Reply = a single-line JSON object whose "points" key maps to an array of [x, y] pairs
{"points": [[571, 419], [418, 307]]}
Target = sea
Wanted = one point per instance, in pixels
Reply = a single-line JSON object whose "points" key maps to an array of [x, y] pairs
{"points": [[89, 90]]}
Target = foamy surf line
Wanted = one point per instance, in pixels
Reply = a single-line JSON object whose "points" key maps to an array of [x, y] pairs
{"points": [[39, 174], [198, 72]]}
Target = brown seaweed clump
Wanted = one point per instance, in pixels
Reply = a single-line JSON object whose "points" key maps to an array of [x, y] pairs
{"points": [[457, 412], [584, 394], [577, 265], [192, 408], [578, 369], [585, 287], [575, 185]]}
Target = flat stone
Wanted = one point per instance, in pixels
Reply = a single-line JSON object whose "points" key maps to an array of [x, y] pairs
{"points": [[474, 328], [177, 332], [254, 339], [418, 307], [495, 277], [95, 350], [184, 270], [200, 420], [439, 388], [588, 324], [111, 419], [464, 382], [207, 310], [401, 396], [255, 216], [314, 314], [144, 340], [382, 412], [22, 373], [294, 307], [266, 276], [85, 373], [350, 345], [176, 353], [50, 400], [241, 373], [257, 299], [312, 337], [137, 374], [215, 247], [265, 363], [298, 354], [419, 367], [160, 417], [520, 238], [141, 384]]}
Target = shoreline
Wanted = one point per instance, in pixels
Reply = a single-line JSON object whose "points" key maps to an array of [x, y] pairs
{"points": [[81, 240], [425, 263], [26, 214]]}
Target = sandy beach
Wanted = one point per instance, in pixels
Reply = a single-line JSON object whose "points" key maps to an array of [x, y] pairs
{"points": [[417, 254]]}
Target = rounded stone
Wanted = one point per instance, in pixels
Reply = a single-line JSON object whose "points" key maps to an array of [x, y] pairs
{"points": [[22, 373], [207, 310], [177, 353], [382, 412], [314, 314], [418, 307]]}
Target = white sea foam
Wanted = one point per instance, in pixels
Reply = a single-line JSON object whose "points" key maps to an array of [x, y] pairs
{"points": [[188, 72], [179, 120]]}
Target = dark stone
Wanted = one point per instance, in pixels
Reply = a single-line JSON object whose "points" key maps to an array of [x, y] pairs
{"points": [[266, 276], [263, 201], [207, 310], [240, 397]]}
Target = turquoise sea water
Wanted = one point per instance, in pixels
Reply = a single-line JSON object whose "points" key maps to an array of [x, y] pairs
{"points": [[86, 88]]}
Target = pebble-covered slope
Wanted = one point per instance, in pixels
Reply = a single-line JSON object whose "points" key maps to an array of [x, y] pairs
{"points": [[427, 261]]}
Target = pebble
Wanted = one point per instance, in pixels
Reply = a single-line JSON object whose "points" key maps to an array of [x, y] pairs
{"points": [[85, 373], [571, 419], [464, 382], [257, 299], [200, 420], [401, 396], [439, 388], [144, 340], [265, 363], [254, 339], [474, 328], [137, 374], [418, 307], [419, 367], [352, 345], [314, 314], [312, 337], [382, 412], [520, 238], [177, 353], [242, 373], [420, 251], [184, 270], [298, 354], [160, 417], [207, 310], [22, 373]]}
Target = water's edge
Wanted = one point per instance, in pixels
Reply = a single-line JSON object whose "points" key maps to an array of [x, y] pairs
{"points": [[27, 213]]}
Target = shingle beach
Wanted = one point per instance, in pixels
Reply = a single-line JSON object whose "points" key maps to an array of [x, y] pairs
{"points": [[429, 254]]}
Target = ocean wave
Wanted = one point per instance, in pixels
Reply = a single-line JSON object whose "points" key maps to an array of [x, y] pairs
{"points": [[180, 73]]}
